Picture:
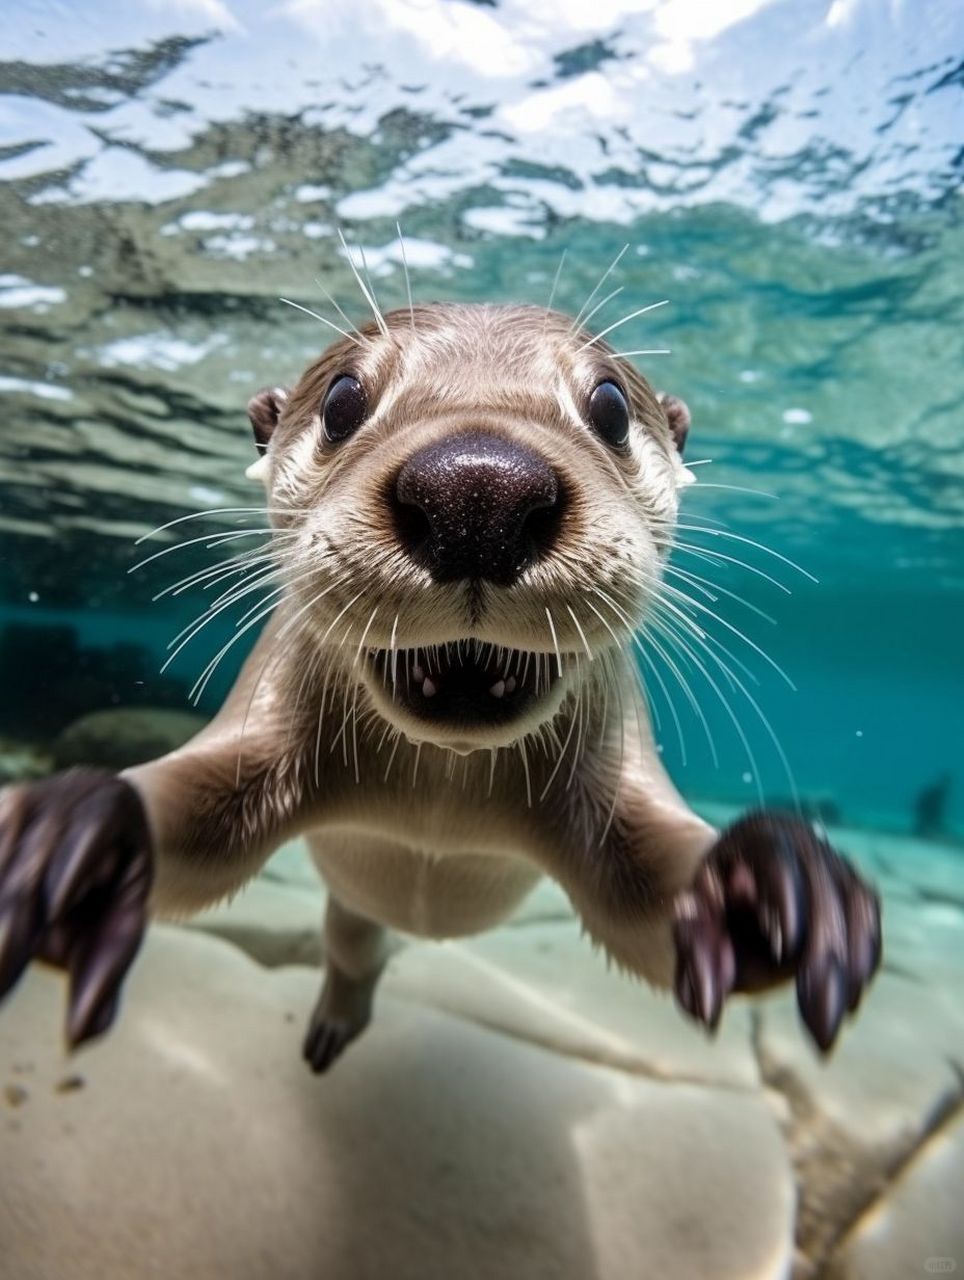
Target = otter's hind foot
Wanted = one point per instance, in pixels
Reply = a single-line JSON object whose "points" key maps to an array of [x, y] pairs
{"points": [[324, 1042], [343, 1011]]}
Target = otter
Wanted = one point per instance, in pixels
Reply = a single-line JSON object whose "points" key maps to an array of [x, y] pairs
{"points": [[472, 507]]}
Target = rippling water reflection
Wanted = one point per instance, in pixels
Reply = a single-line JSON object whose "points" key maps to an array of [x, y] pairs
{"points": [[786, 173]]}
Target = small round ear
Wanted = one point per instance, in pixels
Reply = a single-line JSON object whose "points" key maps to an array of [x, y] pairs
{"points": [[678, 417], [264, 412]]}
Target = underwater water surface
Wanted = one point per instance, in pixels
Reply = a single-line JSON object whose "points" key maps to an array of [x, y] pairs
{"points": [[787, 175]]}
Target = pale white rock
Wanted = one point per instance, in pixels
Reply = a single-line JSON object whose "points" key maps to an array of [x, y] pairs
{"points": [[924, 939], [198, 1145], [916, 1227], [928, 869], [857, 1115], [545, 983], [275, 922], [536, 977], [935, 870], [892, 1067]]}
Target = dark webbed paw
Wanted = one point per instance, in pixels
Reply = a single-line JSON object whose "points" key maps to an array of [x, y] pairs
{"points": [[325, 1040], [75, 875], [343, 1011], [771, 901]]}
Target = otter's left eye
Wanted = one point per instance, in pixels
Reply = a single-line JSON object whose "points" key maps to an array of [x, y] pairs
{"points": [[345, 407], [609, 414]]}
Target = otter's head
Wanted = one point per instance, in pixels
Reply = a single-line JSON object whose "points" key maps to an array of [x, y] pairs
{"points": [[477, 503]]}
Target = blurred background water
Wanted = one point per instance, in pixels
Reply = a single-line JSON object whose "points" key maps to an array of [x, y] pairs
{"points": [[786, 172]]}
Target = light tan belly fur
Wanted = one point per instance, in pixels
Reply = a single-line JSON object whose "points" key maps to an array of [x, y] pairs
{"points": [[435, 896]]}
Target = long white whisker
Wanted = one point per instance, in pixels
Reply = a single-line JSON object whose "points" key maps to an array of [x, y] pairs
{"points": [[642, 351], [658, 675], [750, 542], [733, 488], [391, 758], [702, 584], [368, 279], [364, 636], [212, 574], [215, 511], [665, 588], [558, 764], [521, 744], [709, 554], [552, 291], [582, 634], [701, 666], [379, 318], [684, 685], [602, 280], [617, 684], [203, 680], [408, 278], [360, 337], [197, 625], [599, 305], [213, 539], [324, 320], [555, 643], [616, 324]]}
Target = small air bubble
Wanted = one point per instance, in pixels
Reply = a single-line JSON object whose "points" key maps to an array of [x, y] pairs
{"points": [[748, 777], [33, 597], [797, 416], [860, 733], [204, 493]]}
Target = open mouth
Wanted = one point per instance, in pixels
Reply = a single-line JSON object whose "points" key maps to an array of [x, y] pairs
{"points": [[465, 682]]}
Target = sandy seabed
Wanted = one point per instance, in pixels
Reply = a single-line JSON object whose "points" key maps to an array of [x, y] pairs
{"points": [[515, 1110]]}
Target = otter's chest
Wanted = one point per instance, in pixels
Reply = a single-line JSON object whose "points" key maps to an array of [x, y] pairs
{"points": [[420, 891]]}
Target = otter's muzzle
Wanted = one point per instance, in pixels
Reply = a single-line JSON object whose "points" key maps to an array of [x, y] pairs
{"points": [[476, 506]]}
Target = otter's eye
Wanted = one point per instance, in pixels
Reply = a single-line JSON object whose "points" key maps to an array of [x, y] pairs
{"points": [[345, 407], [609, 414]]}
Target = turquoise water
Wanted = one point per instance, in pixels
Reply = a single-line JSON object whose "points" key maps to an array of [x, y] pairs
{"points": [[787, 175]]}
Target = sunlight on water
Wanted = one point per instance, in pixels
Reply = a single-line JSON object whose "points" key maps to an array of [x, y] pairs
{"points": [[786, 174]]}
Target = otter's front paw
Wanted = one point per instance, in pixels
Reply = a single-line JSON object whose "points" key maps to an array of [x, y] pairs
{"points": [[75, 875], [773, 901]]}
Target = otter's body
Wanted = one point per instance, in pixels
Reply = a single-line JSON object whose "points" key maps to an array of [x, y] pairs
{"points": [[472, 510]]}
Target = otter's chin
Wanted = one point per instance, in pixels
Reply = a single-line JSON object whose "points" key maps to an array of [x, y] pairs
{"points": [[465, 695]]}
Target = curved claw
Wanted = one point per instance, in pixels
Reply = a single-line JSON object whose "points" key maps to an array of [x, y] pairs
{"points": [[772, 900], [324, 1042], [822, 999], [75, 878], [705, 963]]}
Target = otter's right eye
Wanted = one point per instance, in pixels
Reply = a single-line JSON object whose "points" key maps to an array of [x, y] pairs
{"points": [[345, 407], [609, 414]]}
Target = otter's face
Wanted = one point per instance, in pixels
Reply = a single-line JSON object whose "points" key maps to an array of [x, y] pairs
{"points": [[480, 500]]}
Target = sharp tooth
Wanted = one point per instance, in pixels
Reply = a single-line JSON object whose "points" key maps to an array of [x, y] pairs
{"points": [[498, 689], [428, 689], [510, 685], [418, 672]]}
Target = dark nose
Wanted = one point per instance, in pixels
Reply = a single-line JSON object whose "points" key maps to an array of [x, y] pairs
{"points": [[476, 506]]}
